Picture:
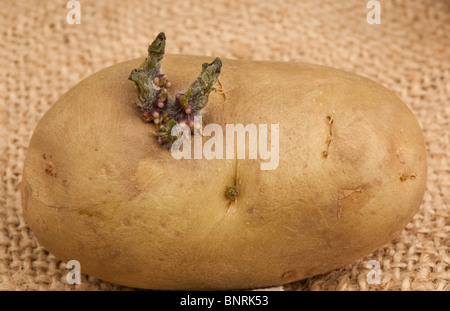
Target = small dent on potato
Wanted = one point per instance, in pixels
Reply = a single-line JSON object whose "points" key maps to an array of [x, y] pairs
{"points": [[330, 120], [288, 275], [91, 213], [351, 200], [405, 177]]}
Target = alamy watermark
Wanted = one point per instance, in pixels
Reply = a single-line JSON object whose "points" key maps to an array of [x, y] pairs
{"points": [[213, 148], [74, 15], [374, 275], [374, 15], [74, 275]]}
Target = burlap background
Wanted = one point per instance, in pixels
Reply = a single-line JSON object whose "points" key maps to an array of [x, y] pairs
{"points": [[42, 56]]}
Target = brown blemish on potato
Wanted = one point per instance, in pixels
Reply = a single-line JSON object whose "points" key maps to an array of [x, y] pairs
{"points": [[330, 136], [232, 192], [221, 90], [49, 165], [115, 253], [399, 155], [405, 177], [49, 169], [134, 193], [351, 200], [91, 213], [126, 222], [85, 212], [288, 274]]}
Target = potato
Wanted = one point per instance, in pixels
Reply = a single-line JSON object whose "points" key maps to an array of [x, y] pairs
{"points": [[98, 188]]}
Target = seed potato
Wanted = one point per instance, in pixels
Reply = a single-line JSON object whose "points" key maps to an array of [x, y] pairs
{"points": [[98, 187]]}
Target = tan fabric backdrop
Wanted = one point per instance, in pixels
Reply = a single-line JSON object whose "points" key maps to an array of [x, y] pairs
{"points": [[42, 56]]}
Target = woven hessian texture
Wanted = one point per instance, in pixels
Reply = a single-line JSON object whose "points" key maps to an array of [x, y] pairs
{"points": [[42, 56]]}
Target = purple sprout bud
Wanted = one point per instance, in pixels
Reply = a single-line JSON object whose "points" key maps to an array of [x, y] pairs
{"points": [[162, 80], [162, 95], [190, 123], [161, 140], [155, 103], [147, 115]]}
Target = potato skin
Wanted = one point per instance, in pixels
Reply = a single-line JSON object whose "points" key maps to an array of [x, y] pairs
{"points": [[99, 189]]}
